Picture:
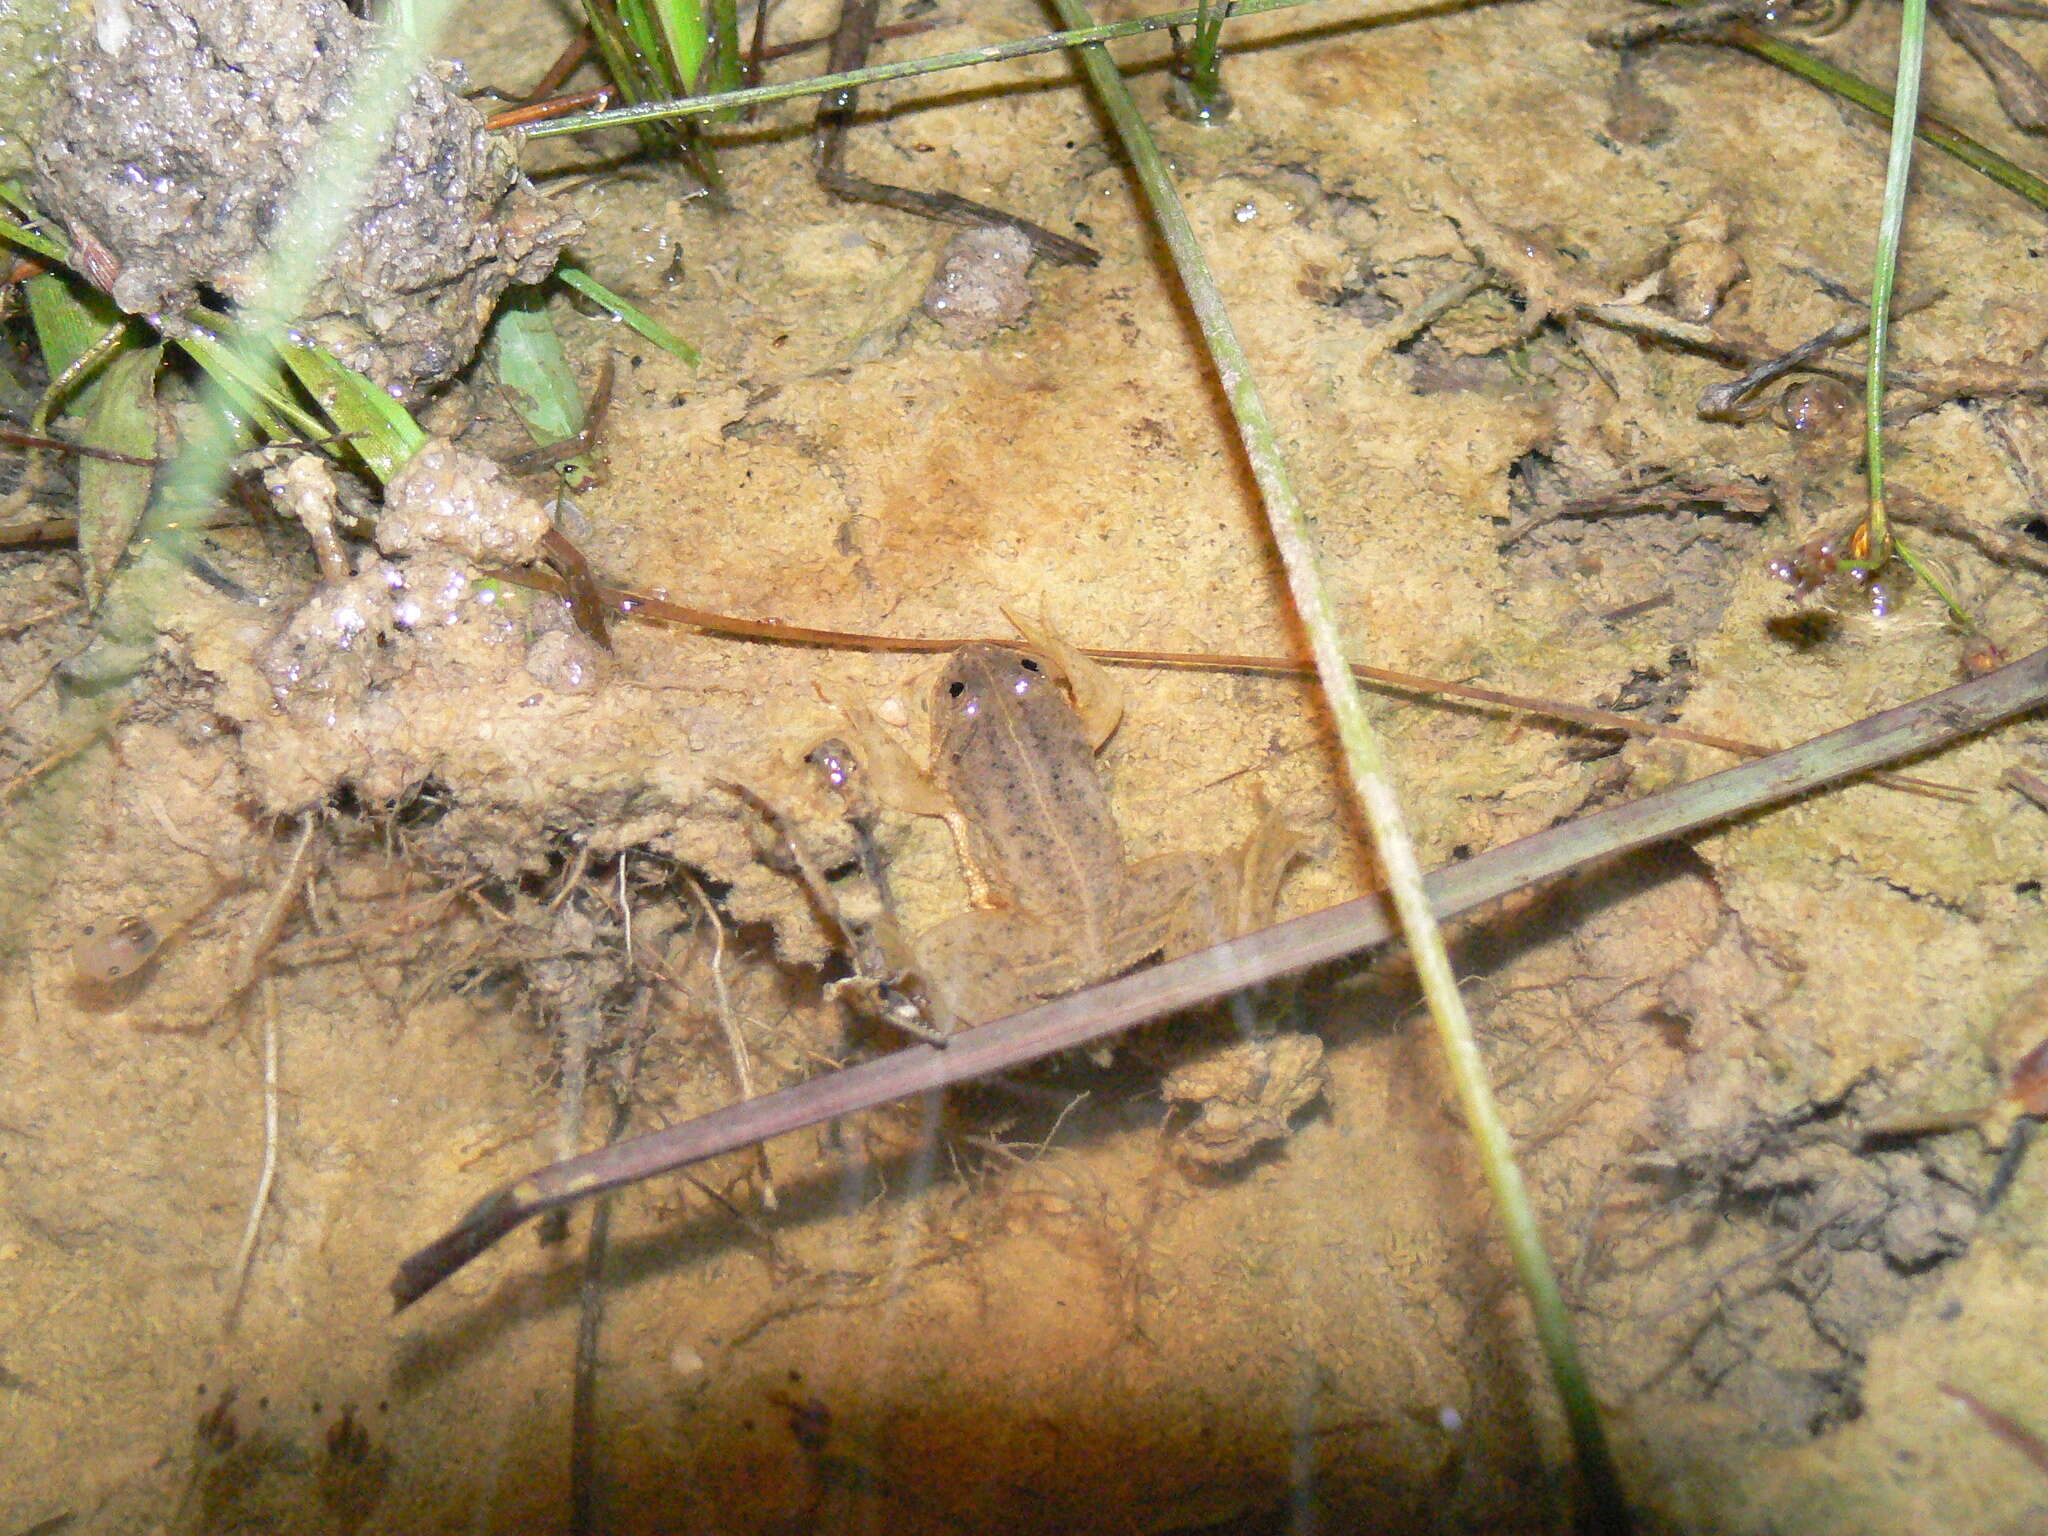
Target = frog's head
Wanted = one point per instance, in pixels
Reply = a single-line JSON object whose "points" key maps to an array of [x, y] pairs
{"points": [[1043, 674], [982, 676]]}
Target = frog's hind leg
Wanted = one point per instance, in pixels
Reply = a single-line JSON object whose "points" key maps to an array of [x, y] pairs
{"points": [[1179, 903], [985, 965]]}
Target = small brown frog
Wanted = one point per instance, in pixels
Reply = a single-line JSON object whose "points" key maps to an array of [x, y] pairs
{"points": [[1056, 904]]}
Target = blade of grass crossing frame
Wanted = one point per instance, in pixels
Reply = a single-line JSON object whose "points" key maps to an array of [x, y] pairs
{"points": [[582, 282], [1891, 223], [1604, 1508]]}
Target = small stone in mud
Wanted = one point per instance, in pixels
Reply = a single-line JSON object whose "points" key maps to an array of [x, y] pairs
{"points": [[980, 285], [1245, 1096], [452, 502], [565, 661]]}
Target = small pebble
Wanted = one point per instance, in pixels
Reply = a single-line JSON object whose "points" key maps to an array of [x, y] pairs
{"points": [[565, 661], [980, 285], [687, 1363]]}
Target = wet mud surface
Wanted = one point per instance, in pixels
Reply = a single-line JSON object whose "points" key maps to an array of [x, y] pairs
{"points": [[532, 893]]}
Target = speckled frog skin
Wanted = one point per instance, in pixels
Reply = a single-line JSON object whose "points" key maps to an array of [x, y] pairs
{"points": [[1056, 904]]}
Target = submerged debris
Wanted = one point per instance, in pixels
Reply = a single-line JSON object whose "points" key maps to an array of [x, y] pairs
{"points": [[178, 144], [446, 513], [980, 285], [461, 504], [1703, 266], [1244, 1097]]}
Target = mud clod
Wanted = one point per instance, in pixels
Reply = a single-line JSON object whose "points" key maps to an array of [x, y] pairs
{"points": [[177, 147]]}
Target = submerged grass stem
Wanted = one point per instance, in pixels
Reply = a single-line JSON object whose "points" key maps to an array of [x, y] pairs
{"points": [[1371, 782]]}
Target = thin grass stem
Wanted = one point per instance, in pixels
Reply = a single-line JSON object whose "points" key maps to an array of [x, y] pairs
{"points": [[1372, 784], [818, 85], [1891, 224]]}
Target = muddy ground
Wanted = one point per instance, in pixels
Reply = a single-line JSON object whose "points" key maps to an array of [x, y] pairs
{"points": [[1020, 1310]]}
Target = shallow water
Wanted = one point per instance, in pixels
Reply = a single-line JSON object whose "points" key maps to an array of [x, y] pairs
{"points": [[1018, 1309]]}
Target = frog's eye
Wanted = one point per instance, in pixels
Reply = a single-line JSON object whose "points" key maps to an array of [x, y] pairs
{"points": [[955, 688], [1029, 663]]}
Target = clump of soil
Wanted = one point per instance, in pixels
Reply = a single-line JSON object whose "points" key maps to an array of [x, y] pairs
{"points": [[176, 151]]}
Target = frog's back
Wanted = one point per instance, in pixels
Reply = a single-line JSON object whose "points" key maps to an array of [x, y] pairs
{"points": [[1015, 760]]}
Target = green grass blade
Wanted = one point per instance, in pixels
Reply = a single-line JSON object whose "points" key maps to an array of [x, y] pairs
{"points": [[69, 316], [380, 431], [649, 327], [29, 240], [1373, 786], [727, 69], [254, 393], [113, 497], [46, 246], [1891, 224], [900, 69], [684, 36]]}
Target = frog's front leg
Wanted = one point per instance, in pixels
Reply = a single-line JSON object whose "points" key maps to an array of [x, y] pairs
{"points": [[894, 780], [1098, 699], [984, 965]]}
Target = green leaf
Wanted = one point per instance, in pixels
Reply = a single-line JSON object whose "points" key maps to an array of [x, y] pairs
{"points": [[379, 428], [639, 320], [28, 239], [113, 497], [69, 316], [527, 357]]}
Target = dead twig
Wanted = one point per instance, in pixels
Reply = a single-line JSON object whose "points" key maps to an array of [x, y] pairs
{"points": [[1671, 491], [1734, 400], [35, 616], [2021, 92], [263, 933], [851, 43], [2007, 1428], [2029, 784]]}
